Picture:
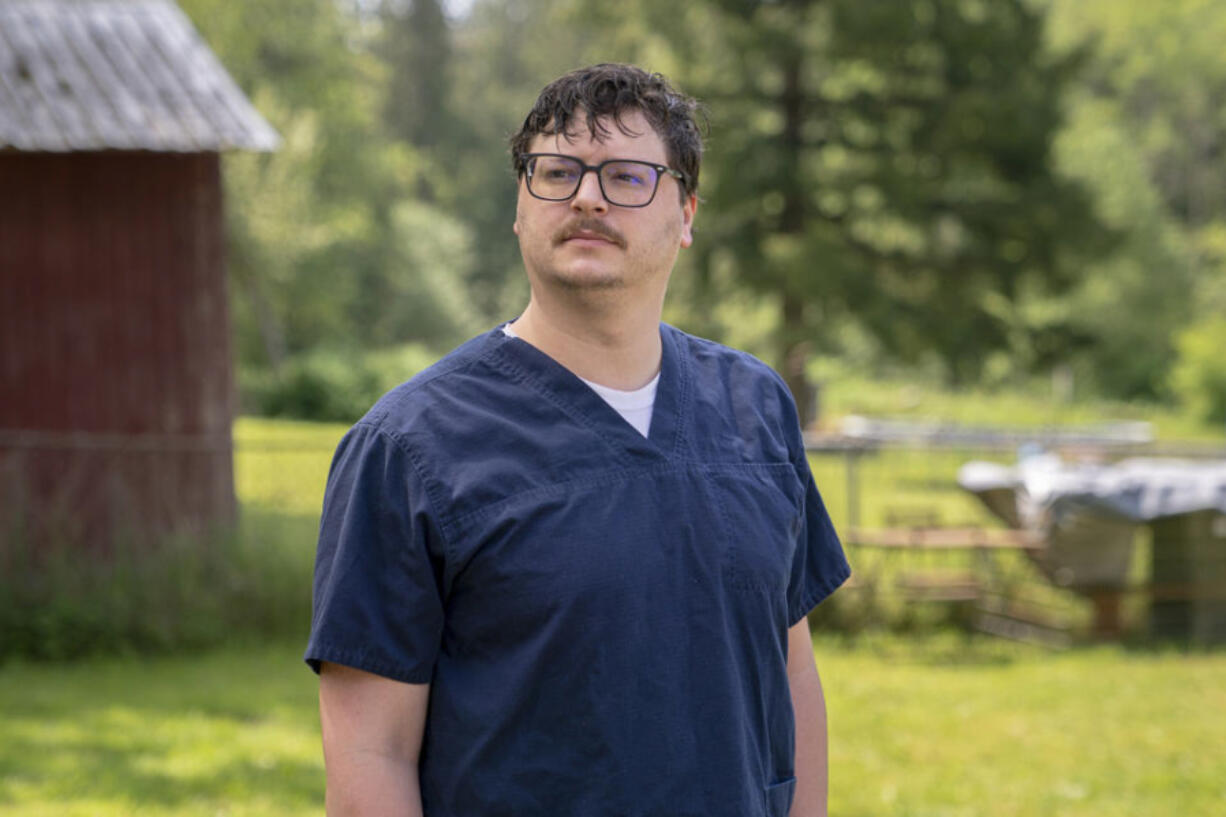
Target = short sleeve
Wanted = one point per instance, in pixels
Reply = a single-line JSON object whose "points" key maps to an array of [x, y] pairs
{"points": [[377, 605], [819, 565]]}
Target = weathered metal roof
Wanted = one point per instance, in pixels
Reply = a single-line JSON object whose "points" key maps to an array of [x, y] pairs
{"points": [[86, 75]]}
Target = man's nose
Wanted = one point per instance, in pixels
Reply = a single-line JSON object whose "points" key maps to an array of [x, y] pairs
{"points": [[589, 197]]}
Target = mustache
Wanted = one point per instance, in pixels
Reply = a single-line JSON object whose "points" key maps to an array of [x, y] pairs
{"points": [[589, 225]]}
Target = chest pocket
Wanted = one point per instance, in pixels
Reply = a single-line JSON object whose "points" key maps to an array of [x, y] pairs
{"points": [[762, 510]]}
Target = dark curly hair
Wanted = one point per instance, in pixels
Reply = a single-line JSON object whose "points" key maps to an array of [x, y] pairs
{"points": [[607, 91]]}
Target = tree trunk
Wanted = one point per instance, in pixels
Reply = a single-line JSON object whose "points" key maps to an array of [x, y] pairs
{"points": [[271, 332], [794, 345], [795, 355]]}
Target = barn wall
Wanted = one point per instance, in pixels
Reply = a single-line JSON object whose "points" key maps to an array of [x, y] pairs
{"points": [[116, 392]]}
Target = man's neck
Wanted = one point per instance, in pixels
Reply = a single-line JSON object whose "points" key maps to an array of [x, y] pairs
{"points": [[615, 350]]}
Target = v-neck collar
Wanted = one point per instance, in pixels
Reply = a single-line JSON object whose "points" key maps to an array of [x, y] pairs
{"points": [[565, 389]]}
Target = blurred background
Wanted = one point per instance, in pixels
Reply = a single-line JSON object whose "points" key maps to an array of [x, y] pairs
{"points": [[984, 241], [989, 195]]}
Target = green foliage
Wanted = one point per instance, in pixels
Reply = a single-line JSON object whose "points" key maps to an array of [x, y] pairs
{"points": [[986, 189], [325, 385], [1035, 403], [317, 235], [503, 53], [1199, 378], [1148, 135], [432, 256], [184, 592], [889, 164], [1126, 306], [1162, 63], [330, 385], [416, 45], [277, 224]]}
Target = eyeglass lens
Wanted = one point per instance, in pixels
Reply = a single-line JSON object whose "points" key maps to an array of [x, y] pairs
{"points": [[626, 183]]}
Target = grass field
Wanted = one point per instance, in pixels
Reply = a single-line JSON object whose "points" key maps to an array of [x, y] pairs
{"points": [[936, 727], [230, 733], [941, 725], [946, 729]]}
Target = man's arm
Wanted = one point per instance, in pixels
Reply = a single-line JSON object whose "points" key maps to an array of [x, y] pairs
{"points": [[372, 730], [809, 704]]}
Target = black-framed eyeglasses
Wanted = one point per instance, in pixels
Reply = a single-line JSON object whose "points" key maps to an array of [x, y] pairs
{"points": [[624, 182]]}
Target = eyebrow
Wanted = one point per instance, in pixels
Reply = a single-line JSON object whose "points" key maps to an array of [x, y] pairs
{"points": [[656, 162]]}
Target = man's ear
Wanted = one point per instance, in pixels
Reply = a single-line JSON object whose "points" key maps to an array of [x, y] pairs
{"points": [[688, 208], [519, 184]]}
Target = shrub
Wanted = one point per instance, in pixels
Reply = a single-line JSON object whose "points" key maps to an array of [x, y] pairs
{"points": [[1199, 376], [185, 593], [330, 385]]}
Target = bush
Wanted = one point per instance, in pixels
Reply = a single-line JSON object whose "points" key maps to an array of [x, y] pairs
{"points": [[1199, 376], [330, 385], [184, 593]]}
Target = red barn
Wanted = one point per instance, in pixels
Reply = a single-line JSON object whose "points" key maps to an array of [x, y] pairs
{"points": [[116, 382]]}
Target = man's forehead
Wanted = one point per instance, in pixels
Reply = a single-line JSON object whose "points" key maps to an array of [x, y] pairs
{"points": [[627, 126]]}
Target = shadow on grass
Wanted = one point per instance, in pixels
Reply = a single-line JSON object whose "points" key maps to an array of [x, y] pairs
{"points": [[234, 731], [943, 647], [218, 717]]}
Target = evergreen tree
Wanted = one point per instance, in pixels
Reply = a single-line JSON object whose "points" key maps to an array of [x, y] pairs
{"points": [[416, 45], [894, 169]]}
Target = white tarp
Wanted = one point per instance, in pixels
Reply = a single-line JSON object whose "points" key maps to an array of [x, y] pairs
{"points": [[1088, 513]]}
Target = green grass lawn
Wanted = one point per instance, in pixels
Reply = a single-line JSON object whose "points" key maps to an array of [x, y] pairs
{"points": [[943, 729], [231, 733], [941, 726], [280, 466]]}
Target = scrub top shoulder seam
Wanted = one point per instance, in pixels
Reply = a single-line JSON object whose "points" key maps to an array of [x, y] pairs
{"points": [[531, 380], [432, 488]]}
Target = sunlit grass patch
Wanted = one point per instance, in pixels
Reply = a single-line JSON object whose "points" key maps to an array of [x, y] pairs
{"points": [[942, 724], [282, 465], [231, 732], [998, 729]]}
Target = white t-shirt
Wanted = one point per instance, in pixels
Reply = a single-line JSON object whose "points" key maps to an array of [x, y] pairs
{"points": [[634, 406]]}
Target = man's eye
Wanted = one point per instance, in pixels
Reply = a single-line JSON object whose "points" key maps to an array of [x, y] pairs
{"points": [[628, 176], [557, 174]]}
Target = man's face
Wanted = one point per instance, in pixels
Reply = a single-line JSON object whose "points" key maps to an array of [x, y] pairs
{"points": [[587, 243]]}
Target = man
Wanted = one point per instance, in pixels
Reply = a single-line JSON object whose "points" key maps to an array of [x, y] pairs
{"points": [[565, 571]]}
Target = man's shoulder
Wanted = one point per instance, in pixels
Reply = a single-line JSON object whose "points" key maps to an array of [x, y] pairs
{"points": [[713, 360], [451, 383], [737, 403]]}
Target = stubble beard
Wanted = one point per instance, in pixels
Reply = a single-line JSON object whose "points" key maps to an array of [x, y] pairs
{"points": [[603, 272], [578, 280], [600, 269]]}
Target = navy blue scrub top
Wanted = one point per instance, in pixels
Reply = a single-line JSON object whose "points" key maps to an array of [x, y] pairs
{"points": [[603, 616]]}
